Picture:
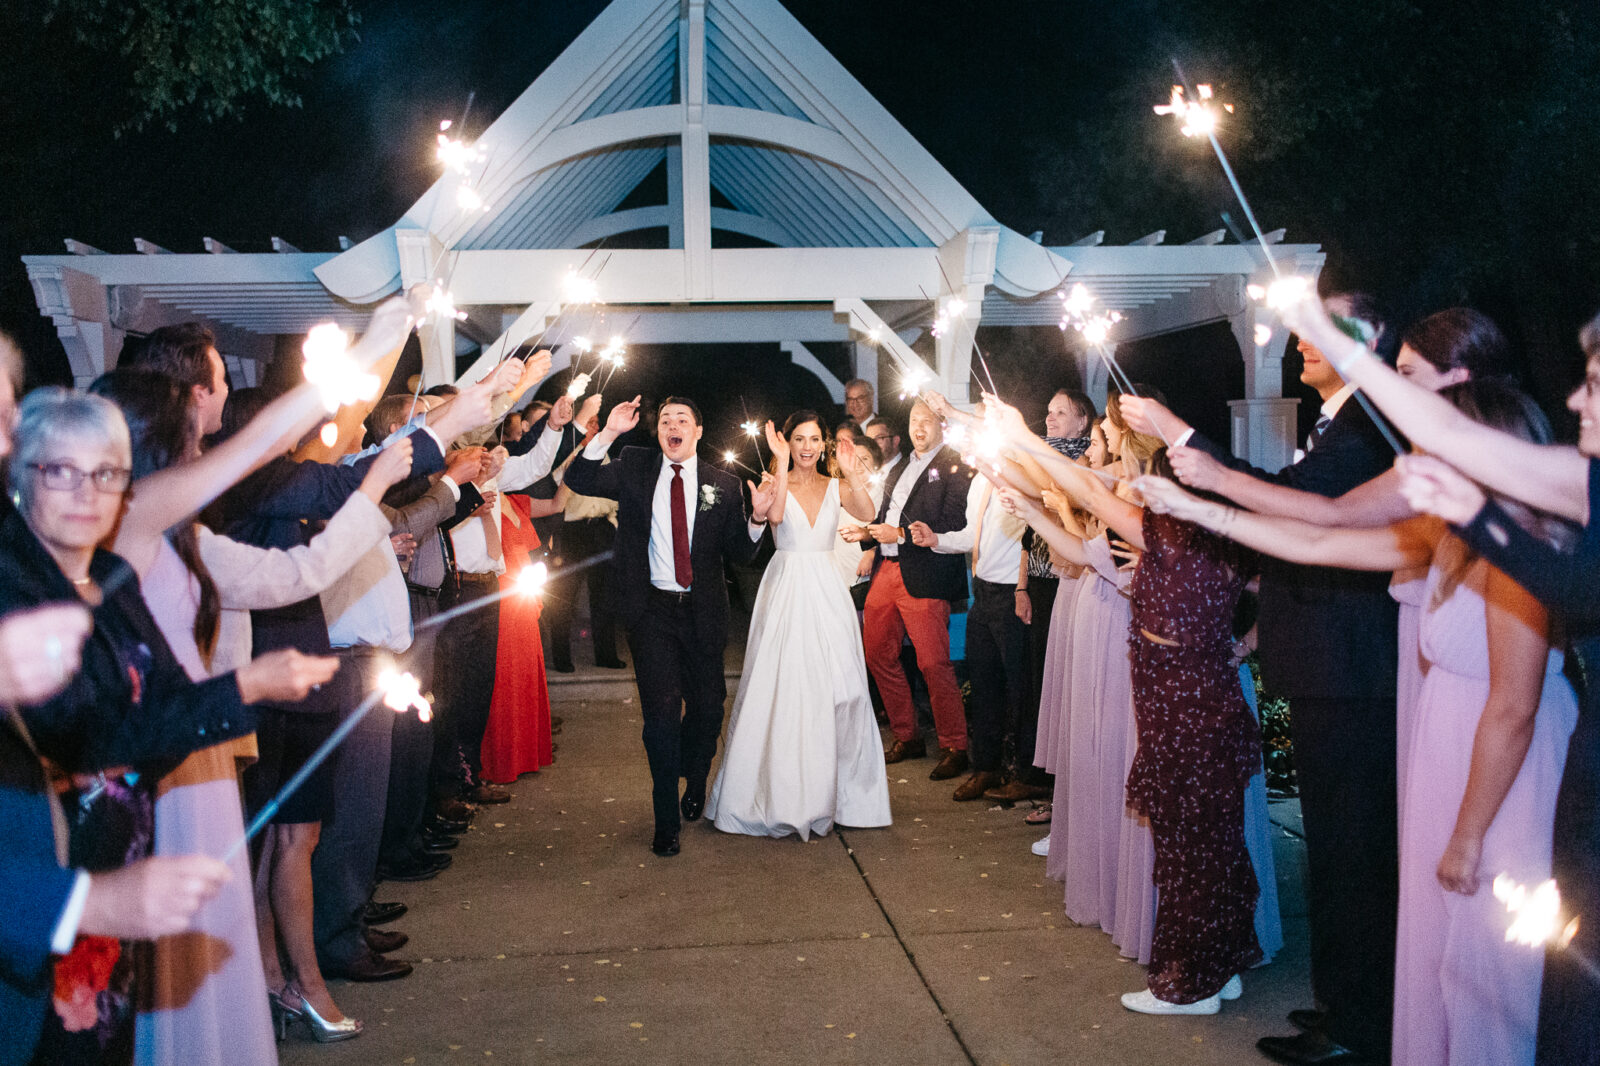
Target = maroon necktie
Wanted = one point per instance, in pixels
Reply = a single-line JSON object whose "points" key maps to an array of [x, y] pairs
{"points": [[680, 531]]}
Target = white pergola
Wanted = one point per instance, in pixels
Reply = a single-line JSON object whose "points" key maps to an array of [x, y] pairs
{"points": [[741, 106]]}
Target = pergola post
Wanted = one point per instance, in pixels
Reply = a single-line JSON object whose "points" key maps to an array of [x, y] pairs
{"points": [[79, 307], [967, 262], [420, 257], [1263, 422]]}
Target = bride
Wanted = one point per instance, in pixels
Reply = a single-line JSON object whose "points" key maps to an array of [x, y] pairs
{"points": [[803, 749]]}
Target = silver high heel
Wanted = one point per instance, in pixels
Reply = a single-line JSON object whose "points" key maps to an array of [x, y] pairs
{"points": [[322, 1030]]}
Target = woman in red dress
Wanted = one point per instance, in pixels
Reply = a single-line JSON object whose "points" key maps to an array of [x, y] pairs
{"points": [[518, 738]]}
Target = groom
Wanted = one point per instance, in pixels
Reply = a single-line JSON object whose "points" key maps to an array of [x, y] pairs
{"points": [[678, 522]]}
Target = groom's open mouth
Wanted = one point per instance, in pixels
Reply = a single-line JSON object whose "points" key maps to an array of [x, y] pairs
{"points": [[674, 441]]}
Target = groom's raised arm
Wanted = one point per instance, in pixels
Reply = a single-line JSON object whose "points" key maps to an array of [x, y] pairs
{"points": [[589, 475]]}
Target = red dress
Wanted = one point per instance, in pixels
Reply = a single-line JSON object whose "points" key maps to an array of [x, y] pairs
{"points": [[518, 738]]}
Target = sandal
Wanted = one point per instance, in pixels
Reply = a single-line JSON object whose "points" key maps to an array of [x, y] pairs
{"points": [[1040, 815]]}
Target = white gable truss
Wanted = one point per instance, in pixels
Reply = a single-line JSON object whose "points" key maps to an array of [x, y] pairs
{"points": [[866, 228]]}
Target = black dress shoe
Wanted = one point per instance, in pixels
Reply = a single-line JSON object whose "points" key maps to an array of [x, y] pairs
{"points": [[693, 803], [414, 870], [437, 842], [488, 794], [1306, 1049], [611, 664], [556, 719], [1307, 1020], [368, 967], [437, 859], [561, 666], [665, 843], [442, 826], [384, 940], [382, 913]]}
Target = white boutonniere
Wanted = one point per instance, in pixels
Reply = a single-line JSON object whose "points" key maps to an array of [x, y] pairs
{"points": [[933, 473], [709, 495]]}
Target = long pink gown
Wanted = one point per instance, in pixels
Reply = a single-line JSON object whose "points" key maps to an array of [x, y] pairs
{"points": [[1462, 994], [1055, 694]]}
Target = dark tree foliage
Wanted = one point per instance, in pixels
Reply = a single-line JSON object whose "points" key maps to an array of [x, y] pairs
{"points": [[208, 57]]}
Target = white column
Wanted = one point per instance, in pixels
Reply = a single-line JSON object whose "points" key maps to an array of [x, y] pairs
{"points": [[967, 263], [421, 260], [78, 306], [695, 155], [1263, 422], [864, 365]]}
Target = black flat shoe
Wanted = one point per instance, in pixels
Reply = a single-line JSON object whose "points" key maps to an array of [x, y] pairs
{"points": [[1306, 1049], [665, 844]]}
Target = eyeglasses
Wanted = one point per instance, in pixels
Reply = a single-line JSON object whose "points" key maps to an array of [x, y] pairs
{"points": [[64, 477]]}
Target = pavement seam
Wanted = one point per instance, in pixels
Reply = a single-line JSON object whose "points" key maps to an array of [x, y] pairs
{"points": [[910, 955]]}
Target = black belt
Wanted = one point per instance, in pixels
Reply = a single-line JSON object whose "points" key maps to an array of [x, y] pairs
{"points": [[669, 596], [479, 579], [422, 590]]}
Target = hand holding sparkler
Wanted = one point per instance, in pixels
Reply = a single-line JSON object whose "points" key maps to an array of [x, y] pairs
{"points": [[1005, 419], [1151, 418], [330, 367], [588, 411], [1196, 469], [465, 464], [283, 676], [1458, 867], [1432, 486], [1164, 496], [391, 467], [560, 412], [922, 535], [534, 370]]}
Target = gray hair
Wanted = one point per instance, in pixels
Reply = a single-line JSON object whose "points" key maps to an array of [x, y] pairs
{"points": [[853, 382], [48, 417]]}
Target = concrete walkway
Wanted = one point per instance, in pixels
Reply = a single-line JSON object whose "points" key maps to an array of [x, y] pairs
{"points": [[558, 938]]}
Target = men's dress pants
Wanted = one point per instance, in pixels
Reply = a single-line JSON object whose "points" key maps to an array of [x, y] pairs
{"points": [[891, 614], [463, 672], [681, 693], [345, 863], [997, 666], [1042, 595], [575, 542], [1344, 756], [411, 750]]}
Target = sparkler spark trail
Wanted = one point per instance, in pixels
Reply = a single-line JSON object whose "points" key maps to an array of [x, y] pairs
{"points": [[397, 691], [526, 585], [1077, 313], [329, 367], [1536, 919], [729, 457]]}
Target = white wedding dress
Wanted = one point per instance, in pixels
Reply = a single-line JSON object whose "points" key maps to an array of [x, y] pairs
{"points": [[803, 748]]}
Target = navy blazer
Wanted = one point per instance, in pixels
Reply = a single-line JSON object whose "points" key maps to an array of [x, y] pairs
{"points": [[939, 498], [1326, 632], [34, 887], [720, 534]]}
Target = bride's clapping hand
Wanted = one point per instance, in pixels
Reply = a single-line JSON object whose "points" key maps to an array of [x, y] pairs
{"points": [[762, 496], [779, 445], [1432, 486]]}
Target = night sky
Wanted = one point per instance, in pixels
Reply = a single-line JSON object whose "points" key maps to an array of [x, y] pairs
{"points": [[990, 90]]}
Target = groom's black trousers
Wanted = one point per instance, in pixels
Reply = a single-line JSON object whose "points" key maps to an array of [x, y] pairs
{"points": [[681, 693]]}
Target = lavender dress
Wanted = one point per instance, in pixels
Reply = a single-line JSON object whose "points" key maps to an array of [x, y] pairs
{"points": [[1462, 994], [1056, 692]]}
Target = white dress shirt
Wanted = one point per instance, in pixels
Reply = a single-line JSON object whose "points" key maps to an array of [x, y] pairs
{"points": [[999, 543], [369, 606], [663, 567], [520, 471], [915, 465]]}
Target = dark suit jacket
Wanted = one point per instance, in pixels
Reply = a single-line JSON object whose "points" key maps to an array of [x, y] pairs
{"points": [[1326, 632], [939, 498], [34, 887], [718, 534]]}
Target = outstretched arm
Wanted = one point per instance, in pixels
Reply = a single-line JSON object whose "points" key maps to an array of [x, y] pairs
{"points": [[1549, 477], [1405, 544], [1377, 502], [1022, 505]]}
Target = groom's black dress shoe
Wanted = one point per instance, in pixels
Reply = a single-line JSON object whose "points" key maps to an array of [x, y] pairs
{"points": [[1306, 1049], [694, 802], [665, 843]]}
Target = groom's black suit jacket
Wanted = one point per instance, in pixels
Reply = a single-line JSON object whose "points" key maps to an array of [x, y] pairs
{"points": [[1325, 632], [719, 533], [939, 498]]}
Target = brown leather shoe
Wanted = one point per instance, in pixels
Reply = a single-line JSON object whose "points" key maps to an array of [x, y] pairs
{"points": [[901, 750], [384, 941], [1016, 792], [975, 786], [952, 763], [368, 967], [455, 810], [488, 794]]}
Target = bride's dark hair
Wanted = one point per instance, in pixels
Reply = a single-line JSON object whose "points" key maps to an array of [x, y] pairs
{"points": [[827, 462]]}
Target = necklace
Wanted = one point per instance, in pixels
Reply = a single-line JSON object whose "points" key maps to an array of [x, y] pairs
{"points": [[82, 582]]}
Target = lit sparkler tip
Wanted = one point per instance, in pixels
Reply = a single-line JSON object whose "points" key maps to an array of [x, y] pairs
{"points": [[955, 307], [1263, 334], [442, 304], [583, 344], [576, 289], [330, 434], [1255, 292], [467, 199], [531, 580], [874, 334], [1195, 116], [752, 428], [329, 367], [402, 692], [1288, 291], [727, 457], [1535, 913]]}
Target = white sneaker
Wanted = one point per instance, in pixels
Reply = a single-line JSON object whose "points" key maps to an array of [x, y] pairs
{"points": [[1041, 846], [1145, 1002], [1233, 989]]}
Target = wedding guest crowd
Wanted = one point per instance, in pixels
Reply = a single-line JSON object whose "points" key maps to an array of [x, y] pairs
{"points": [[217, 580]]}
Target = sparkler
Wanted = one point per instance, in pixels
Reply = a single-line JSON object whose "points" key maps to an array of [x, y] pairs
{"points": [[613, 353], [1536, 919], [398, 691], [752, 429], [729, 457], [329, 367], [579, 383], [1078, 314], [530, 583]]}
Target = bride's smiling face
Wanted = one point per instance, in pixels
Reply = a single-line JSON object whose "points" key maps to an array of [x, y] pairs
{"points": [[806, 445]]}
